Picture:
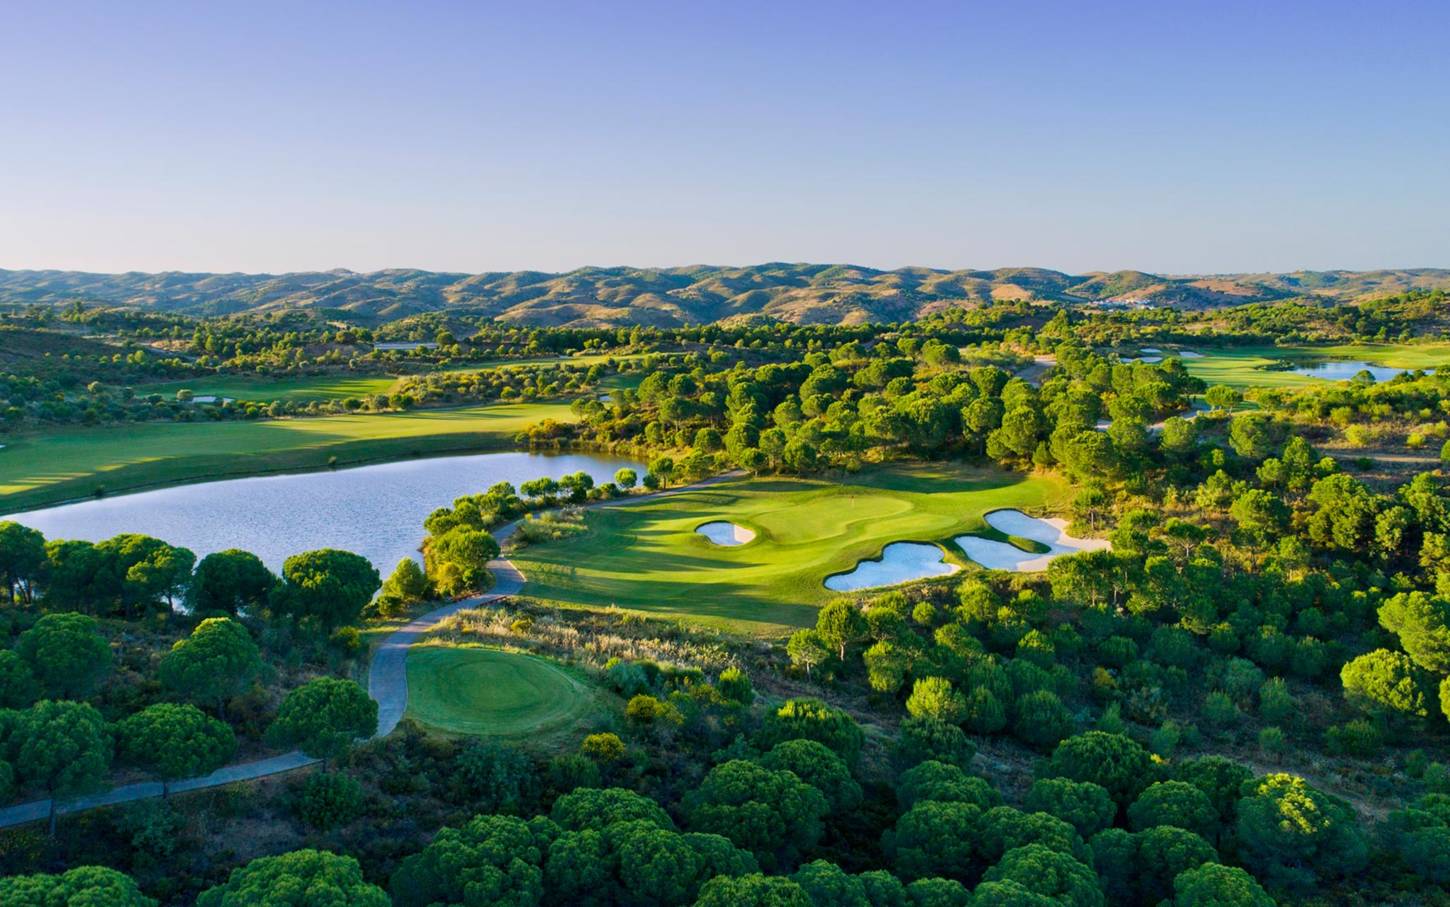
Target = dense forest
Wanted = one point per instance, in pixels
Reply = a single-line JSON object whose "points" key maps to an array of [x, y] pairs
{"points": [[1242, 701]]}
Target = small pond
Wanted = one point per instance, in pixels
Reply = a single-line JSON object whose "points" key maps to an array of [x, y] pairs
{"points": [[376, 511], [727, 534], [996, 555], [1343, 370], [901, 562]]}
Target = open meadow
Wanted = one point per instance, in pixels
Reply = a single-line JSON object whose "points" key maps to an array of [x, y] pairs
{"points": [[648, 556]]}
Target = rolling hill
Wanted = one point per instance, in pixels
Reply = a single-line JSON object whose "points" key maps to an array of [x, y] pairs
{"points": [[804, 293]]}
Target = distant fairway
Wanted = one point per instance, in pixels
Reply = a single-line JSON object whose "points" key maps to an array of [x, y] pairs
{"points": [[492, 693], [338, 387], [64, 464], [259, 388], [648, 556], [1247, 366]]}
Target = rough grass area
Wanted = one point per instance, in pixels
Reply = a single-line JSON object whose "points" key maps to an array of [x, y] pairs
{"points": [[492, 693], [1250, 366], [65, 464], [648, 557]]}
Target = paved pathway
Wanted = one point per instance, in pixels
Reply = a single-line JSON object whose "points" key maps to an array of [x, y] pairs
{"points": [[388, 673], [387, 683]]}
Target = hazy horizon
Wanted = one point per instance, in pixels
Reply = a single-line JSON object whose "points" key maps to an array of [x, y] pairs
{"points": [[1198, 138], [702, 264]]}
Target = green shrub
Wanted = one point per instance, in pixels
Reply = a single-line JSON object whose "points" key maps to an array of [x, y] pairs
{"points": [[1084, 805], [1359, 738], [329, 800], [1220, 711], [922, 739], [1272, 740], [1276, 703], [1042, 719]]}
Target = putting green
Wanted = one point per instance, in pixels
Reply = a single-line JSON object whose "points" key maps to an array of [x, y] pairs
{"points": [[648, 556], [492, 693]]}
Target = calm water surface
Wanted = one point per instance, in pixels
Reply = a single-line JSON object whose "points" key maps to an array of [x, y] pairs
{"points": [[376, 511], [901, 562], [1343, 370]]}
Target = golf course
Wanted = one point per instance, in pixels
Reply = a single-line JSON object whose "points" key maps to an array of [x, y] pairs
{"points": [[1254, 366], [40, 469], [261, 387], [493, 693], [338, 387], [648, 557]]}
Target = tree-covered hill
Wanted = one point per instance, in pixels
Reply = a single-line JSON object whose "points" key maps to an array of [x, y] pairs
{"points": [[664, 297]]}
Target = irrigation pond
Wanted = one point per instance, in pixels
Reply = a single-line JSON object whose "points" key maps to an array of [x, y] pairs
{"points": [[376, 511]]}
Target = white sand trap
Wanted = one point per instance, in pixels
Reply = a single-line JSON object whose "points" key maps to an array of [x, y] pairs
{"points": [[1147, 360], [723, 533], [1189, 354], [1150, 349], [1052, 532], [901, 562]]}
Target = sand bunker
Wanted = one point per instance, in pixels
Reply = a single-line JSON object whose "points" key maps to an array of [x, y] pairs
{"points": [[723, 533], [996, 555]]}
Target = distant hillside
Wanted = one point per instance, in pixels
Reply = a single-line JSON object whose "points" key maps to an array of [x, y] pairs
{"points": [[806, 293]]}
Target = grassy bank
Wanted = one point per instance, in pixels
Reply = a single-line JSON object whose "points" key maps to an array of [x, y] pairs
{"points": [[42, 469], [648, 557]]}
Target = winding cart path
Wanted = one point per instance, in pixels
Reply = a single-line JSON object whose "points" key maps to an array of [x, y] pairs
{"points": [[387, 684]]}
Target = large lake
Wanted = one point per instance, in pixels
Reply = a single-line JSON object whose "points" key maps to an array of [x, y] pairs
{"points": [[376, 511]]}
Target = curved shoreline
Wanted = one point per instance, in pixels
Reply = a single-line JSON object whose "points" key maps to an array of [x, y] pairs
{"points": [[387, 684], [456, 429]]}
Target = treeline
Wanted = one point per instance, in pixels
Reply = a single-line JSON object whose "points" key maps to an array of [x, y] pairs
{"points": [[82, 692], [459, 543], [903, 398], [1103, 822], [133, 576]]}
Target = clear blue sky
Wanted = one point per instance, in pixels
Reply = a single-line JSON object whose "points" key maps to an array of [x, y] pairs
{"points": [[1174, 137]]}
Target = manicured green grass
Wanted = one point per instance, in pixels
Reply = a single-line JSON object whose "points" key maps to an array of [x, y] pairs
{"points": [[1247, 366], [339, 387], [41, 469], [492, 693], [248, 387], [1395, 355], [648, 556]]}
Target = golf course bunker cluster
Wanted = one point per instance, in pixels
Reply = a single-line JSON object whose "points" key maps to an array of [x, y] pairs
{"points": [[900, 562], [995, 555], [722, 532]]}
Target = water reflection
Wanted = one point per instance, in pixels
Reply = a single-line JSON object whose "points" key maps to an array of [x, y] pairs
{"points": [[376, 511]]}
